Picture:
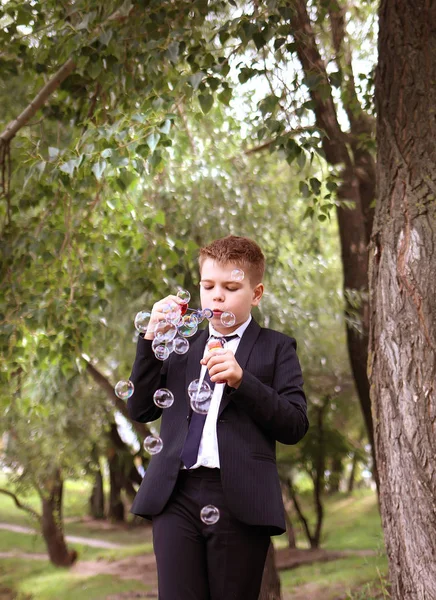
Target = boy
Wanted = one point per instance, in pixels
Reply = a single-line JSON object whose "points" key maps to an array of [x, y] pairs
{"points": [[226, 459]]}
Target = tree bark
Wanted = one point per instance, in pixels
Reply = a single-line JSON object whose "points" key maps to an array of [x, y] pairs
{"points": [[352, 476], [402, 363], [270, 589], [96, 501], [52, 524], [336, 472]]}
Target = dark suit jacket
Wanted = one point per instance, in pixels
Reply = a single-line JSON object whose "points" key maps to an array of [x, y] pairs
{"points": [[269, 405]]}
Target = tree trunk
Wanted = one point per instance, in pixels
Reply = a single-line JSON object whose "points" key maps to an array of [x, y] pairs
{"points": [[123, 473], [357, 186], [290, 532], [403, 291], [116, 510], [52, 524], [335, 477], [270, 589], [96, 501], [352, 477]]}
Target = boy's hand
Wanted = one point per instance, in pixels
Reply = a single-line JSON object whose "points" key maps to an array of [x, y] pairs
{"points": [[223, 366], [157, 313]]}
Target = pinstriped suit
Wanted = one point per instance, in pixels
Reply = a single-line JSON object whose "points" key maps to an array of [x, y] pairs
{"points": [[268, 406]]}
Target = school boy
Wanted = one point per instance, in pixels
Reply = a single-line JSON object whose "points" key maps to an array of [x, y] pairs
{"points": [[228, 458]]}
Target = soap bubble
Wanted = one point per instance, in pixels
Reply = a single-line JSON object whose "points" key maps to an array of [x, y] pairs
{"points": [[237, 275], [208, 313], [153, 444], [165, 331], [161, 351], [200, 395], [181, 345], [172, 312], [228, 319], [142, 320], [188, 326], [199, 315], [124, 389], [209, 514], [163, 398], [184, 295]]}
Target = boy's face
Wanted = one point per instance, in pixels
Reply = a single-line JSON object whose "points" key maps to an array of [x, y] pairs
{"points": [[220, 293]]}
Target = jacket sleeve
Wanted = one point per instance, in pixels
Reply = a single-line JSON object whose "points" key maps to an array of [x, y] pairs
{"points": [[148, 375], [280, 409]]}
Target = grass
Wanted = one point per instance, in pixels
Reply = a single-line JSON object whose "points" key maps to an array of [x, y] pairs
{"points": [[354, 569], [351, 522], [40, 581]]}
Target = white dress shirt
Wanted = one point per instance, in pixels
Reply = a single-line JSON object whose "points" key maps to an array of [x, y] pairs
{"points": [[208, 455]]}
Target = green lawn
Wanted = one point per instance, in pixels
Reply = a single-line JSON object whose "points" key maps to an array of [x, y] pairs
{"points": [[347, 573], [33, 580], [351, 523]]}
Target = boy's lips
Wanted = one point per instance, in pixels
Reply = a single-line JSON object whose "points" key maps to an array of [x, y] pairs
{"points": [[217, 312]]}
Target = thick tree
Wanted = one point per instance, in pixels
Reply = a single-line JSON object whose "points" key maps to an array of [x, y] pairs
{"points": [[403, 294]]}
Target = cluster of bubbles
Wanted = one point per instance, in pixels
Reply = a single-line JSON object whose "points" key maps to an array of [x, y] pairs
{"points": [[170, 335]]}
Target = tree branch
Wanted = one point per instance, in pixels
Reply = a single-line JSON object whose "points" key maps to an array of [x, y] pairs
{"points": [[20, 505], [53, 83], [268, 143], [141, 428], [335, 140], [38, 101], [360, 122]]}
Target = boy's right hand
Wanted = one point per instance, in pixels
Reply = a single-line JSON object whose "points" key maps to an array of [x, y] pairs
{"points": [[158, 315]]}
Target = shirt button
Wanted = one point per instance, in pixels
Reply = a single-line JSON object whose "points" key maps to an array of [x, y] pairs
{"points": [[206, 462]]}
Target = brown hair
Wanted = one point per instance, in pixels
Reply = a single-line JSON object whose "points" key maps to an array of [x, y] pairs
{"points": [[241, 251]]}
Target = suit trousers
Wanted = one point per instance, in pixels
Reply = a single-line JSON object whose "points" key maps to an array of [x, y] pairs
{"points": [[195, 561]]}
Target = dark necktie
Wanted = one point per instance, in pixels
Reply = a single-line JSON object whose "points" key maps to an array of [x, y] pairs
{"points": [[189, 452]]}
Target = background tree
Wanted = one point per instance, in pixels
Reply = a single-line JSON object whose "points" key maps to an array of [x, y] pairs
{"points": [[403, 292]]}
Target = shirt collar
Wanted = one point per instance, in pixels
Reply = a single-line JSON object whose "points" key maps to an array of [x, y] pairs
{"points": [[239, 332]]}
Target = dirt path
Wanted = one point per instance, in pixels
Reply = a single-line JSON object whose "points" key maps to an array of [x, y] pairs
{"points": [[74, 539]]}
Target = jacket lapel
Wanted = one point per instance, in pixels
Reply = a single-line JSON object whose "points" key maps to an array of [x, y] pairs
{"points": [[195, 354], [242, 355]]}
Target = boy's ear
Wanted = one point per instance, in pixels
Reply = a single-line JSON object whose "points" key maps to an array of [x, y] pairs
{"points": [[257, 294]]}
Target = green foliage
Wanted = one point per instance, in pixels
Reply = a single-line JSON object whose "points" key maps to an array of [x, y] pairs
{"points": [[135, 161]]}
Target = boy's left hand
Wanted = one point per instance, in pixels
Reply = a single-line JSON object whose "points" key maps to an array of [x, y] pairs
{"points": [[223, 366]]}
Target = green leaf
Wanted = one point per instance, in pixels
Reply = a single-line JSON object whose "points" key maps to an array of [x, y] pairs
{"points": [[125, 8], [159, 218], [173, 51], [308, 213], [68, 167], [165, 128], [105, 37], [152, 141], [301, 159], [315, 184], [94, 69], [98, 169], [259, 40], [322, 218], [206, 102], [278, 43], [53, 152], [196, 79], [304, 189], [225, 96]]}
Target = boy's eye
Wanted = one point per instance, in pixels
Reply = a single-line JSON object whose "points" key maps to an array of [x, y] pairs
{"points": [[232, 289], [207, 287]]}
